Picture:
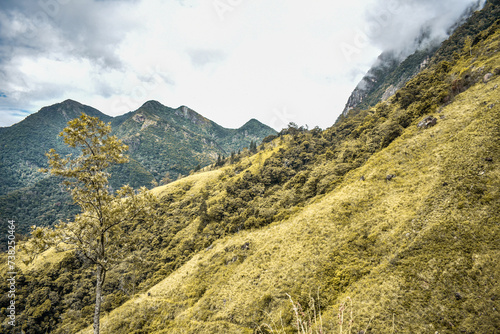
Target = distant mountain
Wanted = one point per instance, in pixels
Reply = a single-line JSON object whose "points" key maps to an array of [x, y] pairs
{"points": [[161, 139], [23, 145], [391, 72], [164, 143], [164, 140]]}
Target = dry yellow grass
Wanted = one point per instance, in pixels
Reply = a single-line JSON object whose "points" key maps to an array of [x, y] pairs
{"points": [[361, 234]]}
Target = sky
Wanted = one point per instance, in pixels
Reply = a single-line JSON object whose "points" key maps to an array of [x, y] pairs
{"points": [[277, 61]]}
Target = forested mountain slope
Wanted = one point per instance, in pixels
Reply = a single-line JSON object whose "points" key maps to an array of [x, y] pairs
{"points": [[410, 236], [164, 143]]}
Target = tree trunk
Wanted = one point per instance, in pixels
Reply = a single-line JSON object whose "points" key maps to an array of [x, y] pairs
{"points": [[101, 274]]}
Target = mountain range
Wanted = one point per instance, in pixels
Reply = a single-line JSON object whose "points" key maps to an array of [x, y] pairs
{"points": [[164, 144]]}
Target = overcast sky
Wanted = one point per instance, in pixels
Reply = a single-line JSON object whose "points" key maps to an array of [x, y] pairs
{"points": [[278, 61]]}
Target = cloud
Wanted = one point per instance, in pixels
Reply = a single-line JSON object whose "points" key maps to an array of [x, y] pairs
{"points": [[404, 26], [63, 28], [201, 58], [114, 55], [48, 47], [256, 60]]}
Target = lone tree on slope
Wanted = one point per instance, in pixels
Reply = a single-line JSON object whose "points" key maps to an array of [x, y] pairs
{"points": [[99, 231]]}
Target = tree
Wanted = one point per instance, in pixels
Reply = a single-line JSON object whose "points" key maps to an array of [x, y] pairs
{"points": [[166, 179], [253, 147], [99, 232]]}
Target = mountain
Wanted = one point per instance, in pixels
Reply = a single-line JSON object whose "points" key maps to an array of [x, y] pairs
{"points": [[164, 140], [23, 145], [386, 222], [150, 129], [386, 76], [391, 71], [164, 144]]}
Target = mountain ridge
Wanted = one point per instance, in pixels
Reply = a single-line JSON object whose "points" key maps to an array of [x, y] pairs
{"points": [[390, 72], [50, 120], [164, 144]]}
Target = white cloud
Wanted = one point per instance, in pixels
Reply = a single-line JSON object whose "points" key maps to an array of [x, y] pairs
{"points": [[246, 59], [399, 23]]}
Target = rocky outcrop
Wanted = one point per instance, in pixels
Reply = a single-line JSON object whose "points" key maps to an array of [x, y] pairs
{"points": [[147, 123], [487, 77], [427, 122], [390, 91]]}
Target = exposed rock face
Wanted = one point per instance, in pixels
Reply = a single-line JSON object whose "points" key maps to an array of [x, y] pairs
{"points": [[371, 80], [390, 91], [387, 75], [147, 123], [191, 115], [355, 99], [139, 118], [487, 77], [427, 122]]}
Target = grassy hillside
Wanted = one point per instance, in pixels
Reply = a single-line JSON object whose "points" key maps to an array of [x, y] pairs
{"points": [[415, 254], [398, 218]]}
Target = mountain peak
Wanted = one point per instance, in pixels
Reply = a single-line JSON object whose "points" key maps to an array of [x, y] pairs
{"points": [[256, 124], [70, 102], [152, 104], [252, 121], [67, 110], [62, 105]]}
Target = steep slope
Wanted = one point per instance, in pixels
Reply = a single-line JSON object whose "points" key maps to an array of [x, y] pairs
{"points": [[417, 253], [386, 76], [391, 73]]}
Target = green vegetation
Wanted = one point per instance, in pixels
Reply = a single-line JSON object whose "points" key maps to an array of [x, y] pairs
{"points": [[391, 74], [98, 231], [162, 141], [389, 225]]}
